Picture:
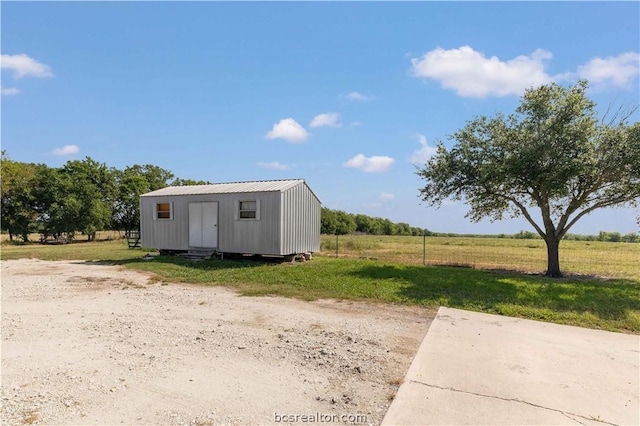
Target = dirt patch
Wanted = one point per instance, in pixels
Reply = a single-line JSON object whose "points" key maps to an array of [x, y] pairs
{"points": [[94, 344]]}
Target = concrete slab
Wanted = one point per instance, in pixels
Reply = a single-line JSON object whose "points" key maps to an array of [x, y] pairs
{"points": [[475, 368]]}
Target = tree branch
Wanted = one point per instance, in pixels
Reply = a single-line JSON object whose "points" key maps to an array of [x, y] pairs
{"points": [[588, 210], [526, 214]]}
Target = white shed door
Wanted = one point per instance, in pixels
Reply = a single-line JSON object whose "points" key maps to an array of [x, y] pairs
{"points": [[203, 225]]}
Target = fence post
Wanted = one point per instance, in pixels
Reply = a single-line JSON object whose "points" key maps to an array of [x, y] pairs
{"points": [[424, 248], [336, 245]]}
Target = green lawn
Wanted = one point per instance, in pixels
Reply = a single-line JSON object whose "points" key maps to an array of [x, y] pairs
{"points": [[612, 304], [102, 250]]}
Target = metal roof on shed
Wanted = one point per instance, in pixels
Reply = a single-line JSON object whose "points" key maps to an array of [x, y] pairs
{"points": [[227, 188]]}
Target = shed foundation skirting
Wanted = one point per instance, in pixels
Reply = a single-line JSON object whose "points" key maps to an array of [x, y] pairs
{"points": [[200, 255]]}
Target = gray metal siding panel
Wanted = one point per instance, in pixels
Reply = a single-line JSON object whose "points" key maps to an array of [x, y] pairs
{"points": [[260, 236], [147, 236], [301, 220], [236, 236], [167, 234]]}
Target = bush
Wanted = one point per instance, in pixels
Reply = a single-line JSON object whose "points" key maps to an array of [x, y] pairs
{"points": [[526, 235]]}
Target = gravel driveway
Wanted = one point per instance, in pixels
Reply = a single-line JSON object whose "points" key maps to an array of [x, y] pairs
{"points": [[84, 343]]}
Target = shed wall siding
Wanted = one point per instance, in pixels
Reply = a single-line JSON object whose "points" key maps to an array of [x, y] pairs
{"points": [[301, 220], [260, 236], [169, 234]]}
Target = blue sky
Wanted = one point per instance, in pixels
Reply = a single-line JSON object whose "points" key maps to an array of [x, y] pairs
{"points": [[348, 96]]}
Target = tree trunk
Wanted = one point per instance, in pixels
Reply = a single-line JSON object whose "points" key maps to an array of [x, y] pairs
{"points": [[553, 258]]}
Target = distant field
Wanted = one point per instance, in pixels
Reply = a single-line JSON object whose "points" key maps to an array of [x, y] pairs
{"points": [[101, 235], [605, 259], [107, 250]]}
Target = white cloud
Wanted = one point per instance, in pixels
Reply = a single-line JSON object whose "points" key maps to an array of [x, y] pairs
{"points": [[422, 155], [329, 119], [355, 123], [66, 150], [274, 165], [618, 70], [289, 130], [9, 91], [375, 164], [471, 74], [24, 66], [386, 196], [357, 96]]}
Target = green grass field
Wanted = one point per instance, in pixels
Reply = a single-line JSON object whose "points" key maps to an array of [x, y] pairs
{"points": [[604, 259], [398, 277]]}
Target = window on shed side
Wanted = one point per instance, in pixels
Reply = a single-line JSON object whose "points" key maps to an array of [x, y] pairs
{"points": [[163, 211], [248, 210]]}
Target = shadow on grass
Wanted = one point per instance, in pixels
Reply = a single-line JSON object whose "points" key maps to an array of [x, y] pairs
{"points": [[493, 292], [180, 261]]}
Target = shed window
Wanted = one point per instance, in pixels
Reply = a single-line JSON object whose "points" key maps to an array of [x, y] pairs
{"points": [[164, 211], [248, 210]]}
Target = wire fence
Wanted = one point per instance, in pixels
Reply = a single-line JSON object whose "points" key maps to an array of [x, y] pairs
{"points": [[603, 259], [100, 236]]}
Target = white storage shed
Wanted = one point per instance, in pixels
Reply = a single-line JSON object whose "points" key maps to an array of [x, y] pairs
{"points": [[272, 218]]}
